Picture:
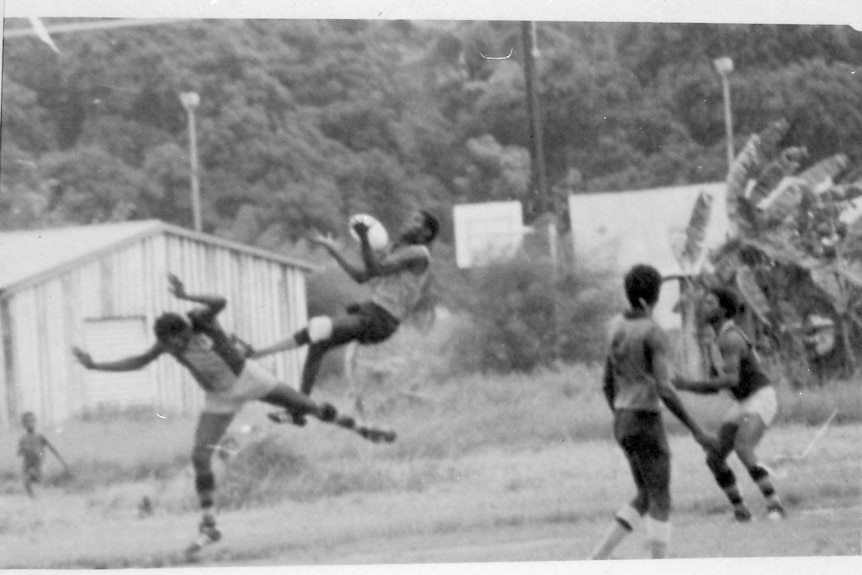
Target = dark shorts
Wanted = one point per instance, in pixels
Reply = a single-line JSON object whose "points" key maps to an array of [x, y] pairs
{"points": [[377, 323], [643, 440], [32, 473]]}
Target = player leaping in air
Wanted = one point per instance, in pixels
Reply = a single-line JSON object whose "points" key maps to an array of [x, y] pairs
{"points": [[636, 383], [399, 279], [229, 380], [736, 368]]}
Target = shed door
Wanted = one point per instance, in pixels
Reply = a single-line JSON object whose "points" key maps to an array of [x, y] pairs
{"points": [[116, 338]]}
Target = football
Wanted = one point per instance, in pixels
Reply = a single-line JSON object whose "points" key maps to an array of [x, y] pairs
{"points": [[377, 235]]}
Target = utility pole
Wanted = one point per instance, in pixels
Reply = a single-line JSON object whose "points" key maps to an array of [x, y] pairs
{"points": [[537, 153], [724, 66]]}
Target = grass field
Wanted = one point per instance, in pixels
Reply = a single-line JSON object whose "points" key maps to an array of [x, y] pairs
{"points": [[516, 468]]}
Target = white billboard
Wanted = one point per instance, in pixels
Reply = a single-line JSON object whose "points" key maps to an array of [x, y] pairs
{"points": [[487, 231]]}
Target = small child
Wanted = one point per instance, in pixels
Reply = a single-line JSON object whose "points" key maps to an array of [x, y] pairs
{"points": [[32, 449]]}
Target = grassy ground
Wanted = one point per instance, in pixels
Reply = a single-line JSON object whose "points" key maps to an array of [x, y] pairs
{"points": [[518, 458], [564, 492]]}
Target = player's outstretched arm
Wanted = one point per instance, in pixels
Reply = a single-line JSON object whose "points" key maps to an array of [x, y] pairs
{"points": [[214, 303], [125, 364], [731, 353], [672, 401], [56, 453], [327, 242]]}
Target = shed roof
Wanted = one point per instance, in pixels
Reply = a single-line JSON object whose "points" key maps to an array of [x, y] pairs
{"points": [[27, 255]]}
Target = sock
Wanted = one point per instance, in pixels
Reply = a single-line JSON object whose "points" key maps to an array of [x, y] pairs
{"points": [[761, 477], [658, 536], [624, 522]]}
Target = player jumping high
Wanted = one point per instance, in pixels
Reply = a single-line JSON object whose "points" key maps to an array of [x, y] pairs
{"points": [[399, 279], [736, 368], [636, 382]]}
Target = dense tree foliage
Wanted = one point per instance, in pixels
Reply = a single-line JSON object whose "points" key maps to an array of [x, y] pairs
{"points": [[303, 122]]}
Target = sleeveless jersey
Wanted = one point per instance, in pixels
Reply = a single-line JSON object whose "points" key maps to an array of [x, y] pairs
{"points": [[634, 340], [210, 356], [399, 293], [751, 374]]}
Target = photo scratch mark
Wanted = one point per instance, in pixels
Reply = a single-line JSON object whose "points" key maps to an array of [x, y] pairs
{"points": [[160, 415], [507, 56]]}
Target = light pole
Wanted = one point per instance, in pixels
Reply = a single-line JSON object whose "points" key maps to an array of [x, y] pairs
{"points": [[724, 66], [190, 101]]}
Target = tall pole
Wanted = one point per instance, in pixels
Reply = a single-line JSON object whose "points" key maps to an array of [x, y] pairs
{"points": [[537, 152], [724, 66], [190, 102]]}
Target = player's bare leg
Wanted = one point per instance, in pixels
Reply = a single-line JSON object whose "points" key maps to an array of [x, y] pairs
{"points": [[751, 431], [210, 429], [724, 476]]}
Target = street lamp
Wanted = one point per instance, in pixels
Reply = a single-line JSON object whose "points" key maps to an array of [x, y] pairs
{"points": [[190, 101], [724, 66]]}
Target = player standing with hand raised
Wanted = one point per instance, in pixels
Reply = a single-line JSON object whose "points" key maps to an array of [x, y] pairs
{"points": [[736, 368]]}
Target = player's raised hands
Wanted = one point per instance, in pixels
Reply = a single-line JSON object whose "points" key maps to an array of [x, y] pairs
{"points": [[83, 357], [327, 241], [176, 287], [361, 227]]}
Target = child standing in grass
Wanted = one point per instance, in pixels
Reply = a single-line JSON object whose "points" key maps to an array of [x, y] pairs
{"points": [[32, 448], [636, 383]]}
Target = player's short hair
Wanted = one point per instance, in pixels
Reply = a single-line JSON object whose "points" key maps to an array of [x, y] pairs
{"points": [[431, 224], [27, 414], [728, 300], [642, 282], [169, 324]]}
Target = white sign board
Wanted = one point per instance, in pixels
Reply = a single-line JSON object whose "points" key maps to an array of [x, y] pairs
{"points": [[613, 231], [486, 232]]}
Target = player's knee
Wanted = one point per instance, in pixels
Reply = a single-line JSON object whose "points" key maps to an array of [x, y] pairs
{"points": [[205, 486], [319, 328], [202, 459], [641, 502], [757, 472]]}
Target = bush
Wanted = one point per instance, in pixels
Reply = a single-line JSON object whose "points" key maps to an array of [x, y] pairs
{"points": [[527, 315]]}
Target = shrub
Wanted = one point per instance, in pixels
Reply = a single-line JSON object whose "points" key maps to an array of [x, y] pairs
{"points": [[526, 315]]}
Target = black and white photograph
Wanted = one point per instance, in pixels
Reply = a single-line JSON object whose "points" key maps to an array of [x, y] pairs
{"points": [[533, 289]]}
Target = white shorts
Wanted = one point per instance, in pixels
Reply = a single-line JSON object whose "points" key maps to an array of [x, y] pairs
{"points": [[253, 383], [763, 403]]}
